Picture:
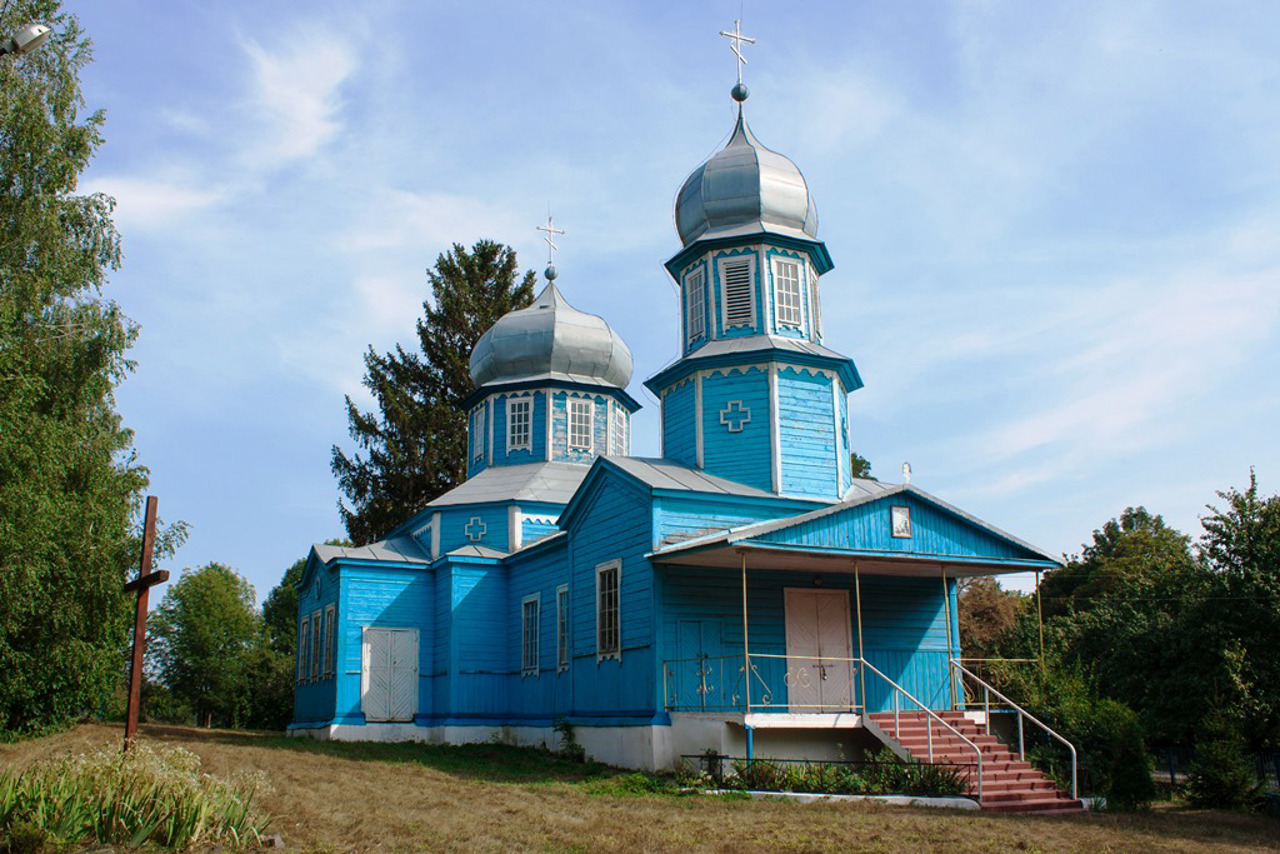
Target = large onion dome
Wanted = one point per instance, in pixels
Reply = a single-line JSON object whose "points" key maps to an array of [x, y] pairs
{"points": [[553, 340], [745, 189]]}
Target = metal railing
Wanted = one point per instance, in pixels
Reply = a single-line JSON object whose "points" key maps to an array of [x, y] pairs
{"points": [[1023, 714]]}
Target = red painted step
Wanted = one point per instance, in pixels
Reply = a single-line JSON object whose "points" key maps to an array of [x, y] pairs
{"points": [[1008, 783]]}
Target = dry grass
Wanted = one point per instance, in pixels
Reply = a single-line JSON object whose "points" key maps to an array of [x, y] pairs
{"points": [[351, 797]]}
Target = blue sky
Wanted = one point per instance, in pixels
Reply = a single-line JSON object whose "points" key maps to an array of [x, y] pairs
{"points": [[1054, 227]]}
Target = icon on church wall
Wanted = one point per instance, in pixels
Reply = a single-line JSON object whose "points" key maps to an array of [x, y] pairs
{"points": [[900, 518]]}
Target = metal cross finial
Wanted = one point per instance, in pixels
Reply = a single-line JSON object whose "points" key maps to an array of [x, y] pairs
{"points": [[736, 38], [551, 232]]}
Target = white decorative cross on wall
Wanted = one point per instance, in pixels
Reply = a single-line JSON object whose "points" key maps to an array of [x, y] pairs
{"points": [[475, 529], [735, 416]]}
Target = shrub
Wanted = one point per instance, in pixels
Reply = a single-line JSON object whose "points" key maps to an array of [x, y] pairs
{"points": [[569, 747], [1220, 775], [115, 798], [885, 774]]}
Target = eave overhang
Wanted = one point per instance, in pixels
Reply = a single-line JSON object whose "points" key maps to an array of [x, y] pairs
{"points": [[843, 366], [815, 249]]}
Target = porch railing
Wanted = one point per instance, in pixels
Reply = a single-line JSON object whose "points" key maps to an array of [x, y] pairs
{"points": [[1022, 715], [718, 684]]}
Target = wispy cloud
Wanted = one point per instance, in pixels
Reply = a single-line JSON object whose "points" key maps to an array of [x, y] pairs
{"points": [[145, 204]]}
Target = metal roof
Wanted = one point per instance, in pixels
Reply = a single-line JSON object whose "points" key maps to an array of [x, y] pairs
{"points": [[745, 188], [670, 474], [395, 550], [551, 337], [551, 482]]}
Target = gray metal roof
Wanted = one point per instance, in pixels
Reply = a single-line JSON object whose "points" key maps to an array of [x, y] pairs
{"points": [[744, 189], [748, 343], [476, 551], [554, 483], [551, 337], [670, 474], [396, 549]]}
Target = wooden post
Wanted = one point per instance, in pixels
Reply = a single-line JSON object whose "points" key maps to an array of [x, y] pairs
{"points": [[746, 654], [862, 661], [145, 581], [946, 609], [1040, 617]]}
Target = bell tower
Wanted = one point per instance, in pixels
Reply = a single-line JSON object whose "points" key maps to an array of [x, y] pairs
{"points": [[756, 397]]}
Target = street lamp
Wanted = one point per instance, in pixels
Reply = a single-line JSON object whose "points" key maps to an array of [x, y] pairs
{"points": [[25, 40]]}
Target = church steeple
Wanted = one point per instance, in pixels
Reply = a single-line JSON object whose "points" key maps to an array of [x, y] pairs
{"points": [[756, 397]]}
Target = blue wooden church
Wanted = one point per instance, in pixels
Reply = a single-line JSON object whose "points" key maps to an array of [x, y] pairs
{"points": [[743, 592]]}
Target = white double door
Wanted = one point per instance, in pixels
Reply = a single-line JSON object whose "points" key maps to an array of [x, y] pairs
{"points": [[819, 648], [389, 674]]}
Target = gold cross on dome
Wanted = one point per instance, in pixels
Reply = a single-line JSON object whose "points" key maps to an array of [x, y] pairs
{"points": [[736, 38], [551, 232]]}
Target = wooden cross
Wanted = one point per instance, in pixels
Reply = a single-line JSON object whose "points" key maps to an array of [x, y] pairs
{"points": [[141, 585]]}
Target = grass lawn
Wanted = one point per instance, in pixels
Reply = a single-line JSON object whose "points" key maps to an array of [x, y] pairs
{"points": [[331, 796]]}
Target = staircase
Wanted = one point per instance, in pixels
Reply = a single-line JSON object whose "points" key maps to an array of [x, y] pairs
{"points": [[1008, 783]]}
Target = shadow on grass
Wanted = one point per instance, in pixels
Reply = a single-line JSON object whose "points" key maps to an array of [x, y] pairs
{"points": [[499, 763], [1173, 822]]}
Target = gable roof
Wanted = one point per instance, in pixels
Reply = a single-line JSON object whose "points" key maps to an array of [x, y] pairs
{"points": [[840, 532]]}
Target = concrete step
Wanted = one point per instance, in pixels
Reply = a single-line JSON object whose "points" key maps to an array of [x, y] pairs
{"points": [[1036, 806]]}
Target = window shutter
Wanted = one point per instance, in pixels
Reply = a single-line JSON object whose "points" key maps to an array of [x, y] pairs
{"points": [[739, 303]]}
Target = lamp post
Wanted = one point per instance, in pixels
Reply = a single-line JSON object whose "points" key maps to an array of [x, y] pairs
{"points": [[25, 40]]}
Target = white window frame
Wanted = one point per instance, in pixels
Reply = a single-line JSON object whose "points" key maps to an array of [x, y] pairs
{"points": [[609, 614], [724, 263], [529, 629], [304, 647], [695, 285], [590, 408], [787, 303], [618, 430], [330, 640], [815, 305], [514, 443], [316, 629], [562, 628], [477, 451]]}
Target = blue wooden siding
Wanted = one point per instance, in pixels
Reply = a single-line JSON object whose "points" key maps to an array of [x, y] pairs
{"points": [[744, 456], [806, 419], [478, 657], [678, 434], [904, 632], [313, 699], [537, 430], [386, 598], [867, 526], [842, 455], [454, 522], [614, 523], [531, 530], [678, 518], [545, 696]]}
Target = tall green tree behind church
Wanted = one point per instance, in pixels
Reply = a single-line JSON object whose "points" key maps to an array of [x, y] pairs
{"points": [[69, 482], [412, 448]]}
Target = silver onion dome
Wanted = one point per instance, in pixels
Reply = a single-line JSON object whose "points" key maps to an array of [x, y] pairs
{"points": [[551, 339], [744, 189]]}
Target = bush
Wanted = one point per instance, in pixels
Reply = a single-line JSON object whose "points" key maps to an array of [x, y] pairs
{"points": [[127, 799], [1220, 775], [885, 774]]}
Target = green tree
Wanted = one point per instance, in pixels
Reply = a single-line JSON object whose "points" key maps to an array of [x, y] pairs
{"points": [[204, 634], [986, 614], [861, 466], [280, 611], [414, 444], [69, 481]]}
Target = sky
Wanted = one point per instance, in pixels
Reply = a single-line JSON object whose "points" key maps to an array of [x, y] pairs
{"points": [[1054, 227]]}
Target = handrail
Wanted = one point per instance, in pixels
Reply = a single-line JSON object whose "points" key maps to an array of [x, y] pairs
{"points": [[930, 712], [1022, 713]]}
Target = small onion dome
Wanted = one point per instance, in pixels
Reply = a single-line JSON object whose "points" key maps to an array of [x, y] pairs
{"points": [[551, 339], [744, 189]]}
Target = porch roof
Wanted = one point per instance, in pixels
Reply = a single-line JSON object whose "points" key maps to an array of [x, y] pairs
{"points": [[788, 544]]}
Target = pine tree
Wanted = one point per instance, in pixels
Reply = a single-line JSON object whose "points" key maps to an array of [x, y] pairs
{"points": [[415, 443], [69, 482]]}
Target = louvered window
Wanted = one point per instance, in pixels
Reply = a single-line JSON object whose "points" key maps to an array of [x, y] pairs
{"points": [[695, 300], [519, 420], [739, 292], [581, 414], [786, 292]]}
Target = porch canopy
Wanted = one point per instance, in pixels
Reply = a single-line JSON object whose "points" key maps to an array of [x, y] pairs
{"points": [[896, 530]]}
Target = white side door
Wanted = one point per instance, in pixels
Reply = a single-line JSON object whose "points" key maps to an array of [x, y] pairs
{"points": [[389, 680]]}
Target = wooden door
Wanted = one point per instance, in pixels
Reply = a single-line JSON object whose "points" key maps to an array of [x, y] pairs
{"points": [[389, 684], [818, 630]]}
